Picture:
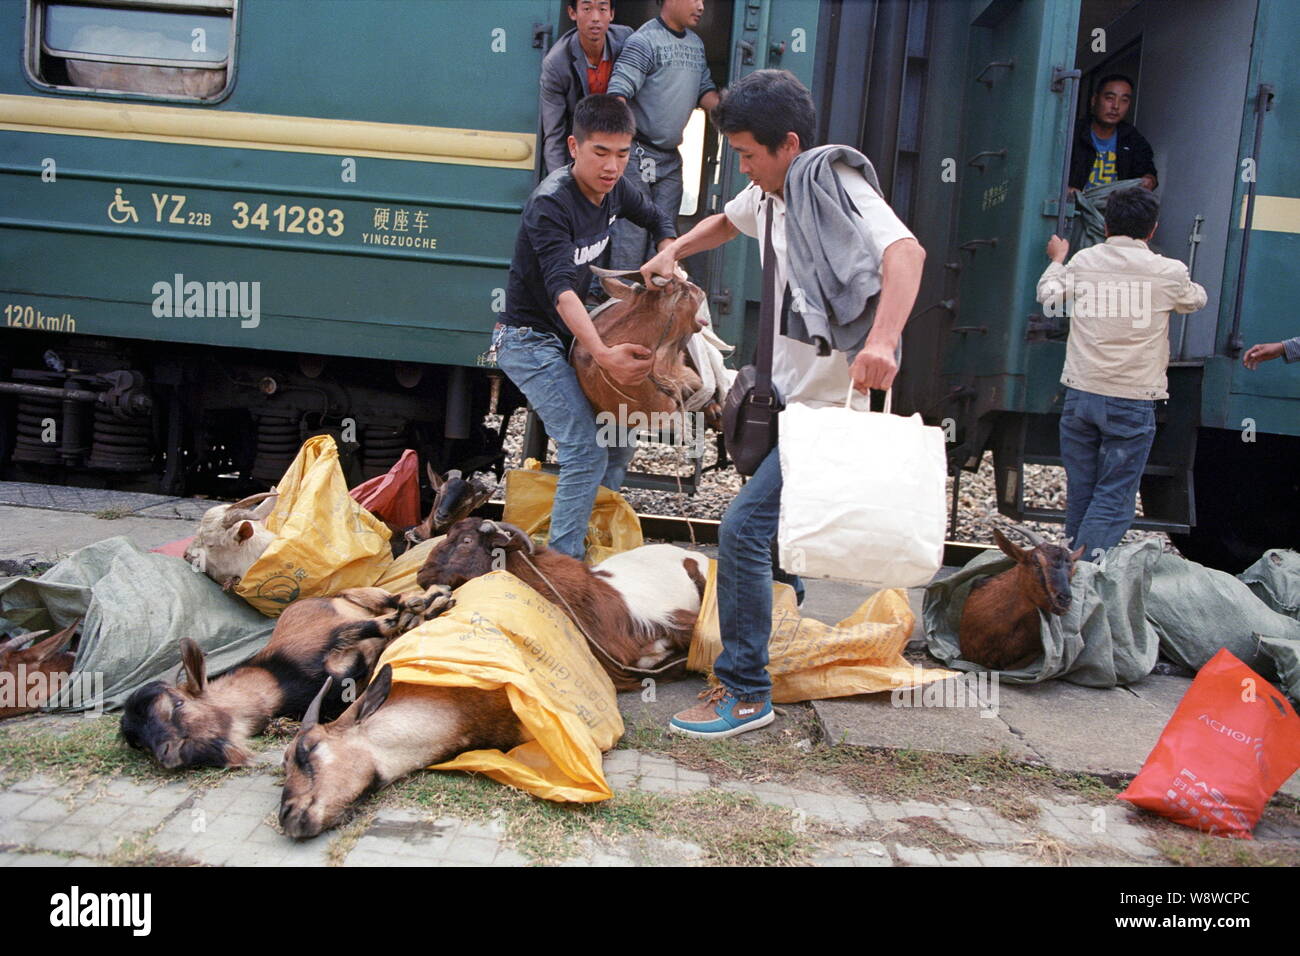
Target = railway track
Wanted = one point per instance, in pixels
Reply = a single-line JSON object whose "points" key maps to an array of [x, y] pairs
{"points": [[680, 530]]}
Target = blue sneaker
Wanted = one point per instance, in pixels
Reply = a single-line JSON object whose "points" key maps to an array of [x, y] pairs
{"points": [[721, 715]]}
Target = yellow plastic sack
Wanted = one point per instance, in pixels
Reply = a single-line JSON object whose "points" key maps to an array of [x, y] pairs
{"points": [[613, 528], [325, 541], [811, 660], [503, 633], [399, 576]]}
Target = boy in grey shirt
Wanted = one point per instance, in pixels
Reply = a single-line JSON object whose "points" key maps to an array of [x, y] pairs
{"points": [[663, 76]]}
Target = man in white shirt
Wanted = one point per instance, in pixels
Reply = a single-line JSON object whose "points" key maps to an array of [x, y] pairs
{"points": [[768, 118], [1119, 295]]}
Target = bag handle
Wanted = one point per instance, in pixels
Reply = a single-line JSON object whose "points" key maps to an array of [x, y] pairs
{"points": [[848, 399]]}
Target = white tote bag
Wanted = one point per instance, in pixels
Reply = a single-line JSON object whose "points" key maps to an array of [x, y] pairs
{"points": [[862, 495]]}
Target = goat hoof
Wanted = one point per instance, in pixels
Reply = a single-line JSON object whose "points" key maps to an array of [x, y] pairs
{"points": [[440, 604]]}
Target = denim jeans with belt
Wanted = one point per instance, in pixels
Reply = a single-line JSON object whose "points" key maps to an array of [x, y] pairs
{"points": [[1104, 444], [745, 582], [538, 363], [660, 181]]}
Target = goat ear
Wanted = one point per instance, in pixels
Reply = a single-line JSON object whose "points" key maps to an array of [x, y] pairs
{"points": [[236, 756], [376, 693], [481, 493], [1010, 550], [617, 288], [58, 643], [435, 480], [1076, 555], [196, 669], [243, 531]]}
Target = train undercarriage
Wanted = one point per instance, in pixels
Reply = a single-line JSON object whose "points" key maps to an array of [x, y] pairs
{"points": [[197, 420]]}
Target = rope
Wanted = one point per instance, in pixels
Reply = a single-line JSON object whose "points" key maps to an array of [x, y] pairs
{"points": [[617, 664]]}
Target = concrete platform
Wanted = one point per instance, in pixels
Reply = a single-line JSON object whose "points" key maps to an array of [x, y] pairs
{"points": [[1067, 727], [871, 720]]}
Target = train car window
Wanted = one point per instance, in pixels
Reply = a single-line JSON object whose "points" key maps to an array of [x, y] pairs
{"points": [[178, 49], [692, 150]]}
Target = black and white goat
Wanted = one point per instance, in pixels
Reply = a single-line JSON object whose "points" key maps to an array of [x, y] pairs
{"points": [[637, 608]]}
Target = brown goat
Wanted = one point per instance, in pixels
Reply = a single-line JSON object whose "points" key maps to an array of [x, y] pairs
{"points": [[1000, 626], [202, 723], [34, 673], [385, 735], [637, 608], [663, 320], [454, 499]]}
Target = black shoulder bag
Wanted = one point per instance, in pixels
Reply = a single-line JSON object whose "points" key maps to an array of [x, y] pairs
{"points": [[749, 413]]}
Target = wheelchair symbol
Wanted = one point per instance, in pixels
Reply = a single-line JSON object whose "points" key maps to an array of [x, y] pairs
{"points": [[120, 209]]}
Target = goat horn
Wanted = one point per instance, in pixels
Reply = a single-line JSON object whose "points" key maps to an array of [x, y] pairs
{"points": [[613, 273], [13, 643], [511, 531], [1035, 539], [253, 499], [312, 717]]}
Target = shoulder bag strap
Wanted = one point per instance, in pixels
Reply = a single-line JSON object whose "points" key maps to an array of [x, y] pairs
{"points": [[767, 316]]}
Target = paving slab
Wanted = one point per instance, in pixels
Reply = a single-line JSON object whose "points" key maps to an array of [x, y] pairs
{"points": [[872, 720], [1083, 729], [41, 534]]}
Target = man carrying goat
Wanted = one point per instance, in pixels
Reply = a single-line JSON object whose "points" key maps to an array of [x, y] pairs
{"points": [[566, 225], [818, 210]]}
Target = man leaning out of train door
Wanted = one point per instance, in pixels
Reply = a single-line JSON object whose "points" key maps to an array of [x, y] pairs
{"points": [[827, 219], [1119, 295], [580, 63], [663, 75], [1107, 149], [565, 225]]}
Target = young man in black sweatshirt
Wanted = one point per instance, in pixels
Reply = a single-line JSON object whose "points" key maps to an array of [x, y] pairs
{"points": [[566, 225]]}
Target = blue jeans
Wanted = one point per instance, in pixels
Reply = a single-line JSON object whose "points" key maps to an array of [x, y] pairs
{"points": [[745, 572], [538, 363], [660, 181], [1104, 444]]}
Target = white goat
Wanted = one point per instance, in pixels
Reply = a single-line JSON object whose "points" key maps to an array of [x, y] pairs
{"points": [[231, 537]]}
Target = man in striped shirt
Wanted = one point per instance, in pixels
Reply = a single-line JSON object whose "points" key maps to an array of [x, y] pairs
{"points": [[662, 74]]}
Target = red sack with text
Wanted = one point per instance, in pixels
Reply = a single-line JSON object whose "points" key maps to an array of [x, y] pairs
{"points": [[1232, 741]]}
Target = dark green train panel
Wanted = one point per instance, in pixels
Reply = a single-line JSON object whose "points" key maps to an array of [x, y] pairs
{"points": [[228, 224]]}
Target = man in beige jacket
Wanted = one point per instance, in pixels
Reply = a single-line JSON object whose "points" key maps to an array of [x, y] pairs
{"points": [[1119, 295]]}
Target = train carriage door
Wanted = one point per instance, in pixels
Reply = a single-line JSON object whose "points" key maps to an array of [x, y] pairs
{"points": [[764, 34], [1009, 170]]}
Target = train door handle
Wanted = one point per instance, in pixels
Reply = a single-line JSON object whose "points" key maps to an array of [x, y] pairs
{"points": [[995, 65], [977, 159]]}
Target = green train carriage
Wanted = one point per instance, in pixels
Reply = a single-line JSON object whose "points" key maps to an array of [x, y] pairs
{"points": [[365, 162]]}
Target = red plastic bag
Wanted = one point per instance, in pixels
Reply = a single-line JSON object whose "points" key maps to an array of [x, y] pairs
{"points": [[1232, 741], [394, 496]]}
